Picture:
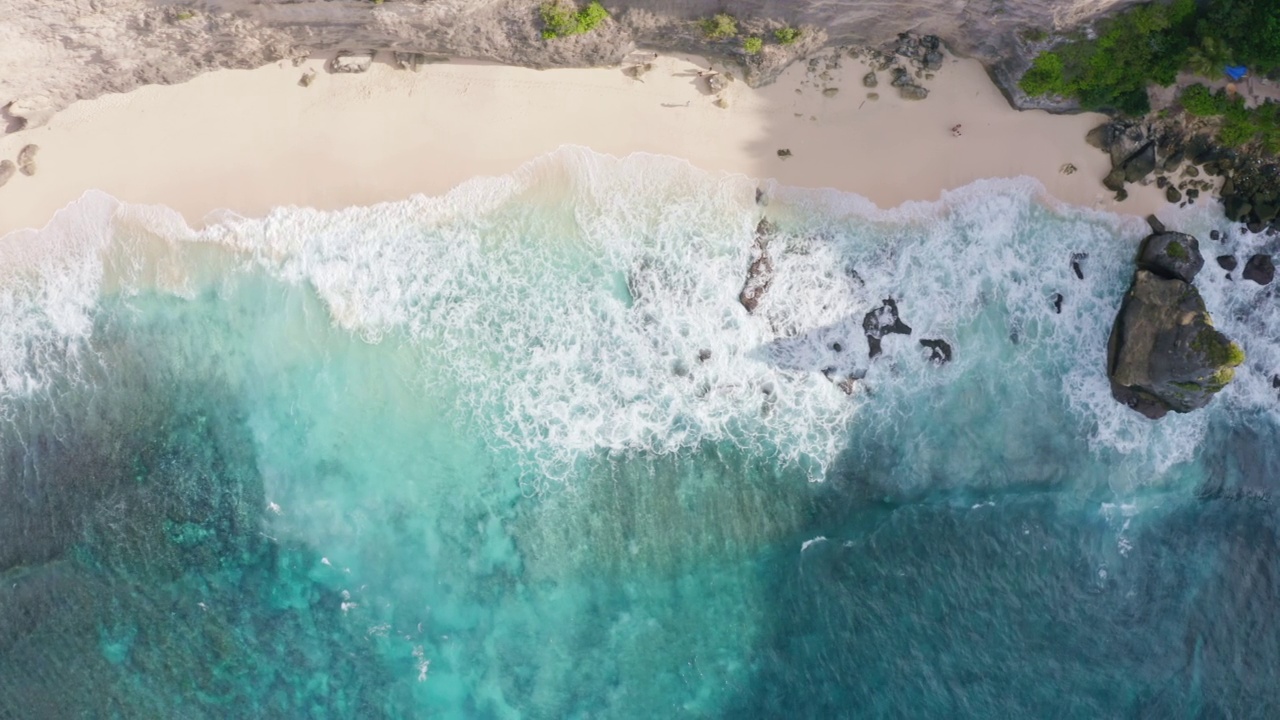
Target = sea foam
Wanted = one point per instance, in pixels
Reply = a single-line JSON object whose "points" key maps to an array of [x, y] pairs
{"points": [[570, 303]]}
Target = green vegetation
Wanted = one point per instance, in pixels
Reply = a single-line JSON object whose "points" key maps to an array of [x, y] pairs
{"points": [[560, 18], [1176, 251], [720, 26], [1240, 125], [1217, 350], [1150, 44], [1221, 378], [786, 35], [184, 15], [752, 45]]}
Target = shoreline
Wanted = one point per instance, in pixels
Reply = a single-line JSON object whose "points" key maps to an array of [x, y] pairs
{"points": [[251, 140]]}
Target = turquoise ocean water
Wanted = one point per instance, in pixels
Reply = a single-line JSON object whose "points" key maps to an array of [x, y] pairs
{"points": [[459, 457]]}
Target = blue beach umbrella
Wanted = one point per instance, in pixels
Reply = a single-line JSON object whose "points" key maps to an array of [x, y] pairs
{"points": [[1236, 72]]}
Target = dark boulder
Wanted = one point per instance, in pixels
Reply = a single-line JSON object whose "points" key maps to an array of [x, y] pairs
{"points": [[1125, 142], [1114, 180], [1141, 163], [1057, 303], [1259, 269], [1157, 227], [1171, 255], [1164, 353], [939, 350], [882, 321], [1227, 262]]}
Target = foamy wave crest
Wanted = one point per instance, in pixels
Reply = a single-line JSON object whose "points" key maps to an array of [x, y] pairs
{"points": [[49, 285], [586, 303], [571, 303]]}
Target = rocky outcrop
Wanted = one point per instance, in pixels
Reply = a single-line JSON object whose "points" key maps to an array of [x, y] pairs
{"points": [[1164, 352], [1183, 162], [882, 321], [760, 271], [53, 53]]}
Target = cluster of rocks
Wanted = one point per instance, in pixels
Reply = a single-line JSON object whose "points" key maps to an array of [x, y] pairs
{"points": [[910, 61], [1186, 165], [1164, 353], [26, 164], [877, 323], [925, 51]]}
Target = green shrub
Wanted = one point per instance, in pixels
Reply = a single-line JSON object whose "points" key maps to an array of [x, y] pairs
{"points": [[786, 35], [1044, 76], [560, 18], [720, 26], [1133, 49], [1249, 28], [1151, 43], [1198, 101], [752, 45], [1176, 251]]}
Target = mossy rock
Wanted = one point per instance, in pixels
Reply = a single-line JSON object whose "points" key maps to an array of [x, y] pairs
{"points": [[1164, 353], [1171, 255]]}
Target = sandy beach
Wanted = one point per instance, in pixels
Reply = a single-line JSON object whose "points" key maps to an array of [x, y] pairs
{"points": [[252, 140]]}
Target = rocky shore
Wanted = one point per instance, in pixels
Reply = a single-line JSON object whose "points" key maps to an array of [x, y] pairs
{"points": [[1181, 158]]}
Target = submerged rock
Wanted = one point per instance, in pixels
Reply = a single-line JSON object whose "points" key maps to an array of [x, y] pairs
{"points": [[1227, 262], [1164, 353], [882, 321], [7, 169], [939, 350], [1171, 255], [1076, 267]]}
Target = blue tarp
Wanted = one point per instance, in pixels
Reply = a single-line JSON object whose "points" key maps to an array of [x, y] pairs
{"points": [[1236, 72]]}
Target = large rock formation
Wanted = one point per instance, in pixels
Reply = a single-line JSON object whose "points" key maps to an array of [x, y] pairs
{"points": [[53, 53], [1164, 353]]}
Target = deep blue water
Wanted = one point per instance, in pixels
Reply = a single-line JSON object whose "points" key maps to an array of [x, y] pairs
{"points": [[458, 457]]}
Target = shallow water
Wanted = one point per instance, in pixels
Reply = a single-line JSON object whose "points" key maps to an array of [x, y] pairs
{"points": [[458, 457]]}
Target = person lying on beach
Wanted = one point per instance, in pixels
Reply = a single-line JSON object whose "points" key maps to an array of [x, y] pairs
{"points": [[955, 131]]}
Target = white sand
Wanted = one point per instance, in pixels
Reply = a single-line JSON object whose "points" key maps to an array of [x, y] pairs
{"points": [[253, 140]]}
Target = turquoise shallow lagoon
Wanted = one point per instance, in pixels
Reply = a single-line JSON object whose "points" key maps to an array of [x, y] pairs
{"points": [[519, 452]]}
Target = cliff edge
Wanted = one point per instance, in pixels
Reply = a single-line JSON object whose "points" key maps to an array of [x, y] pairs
{"points": [[52, 54]]}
